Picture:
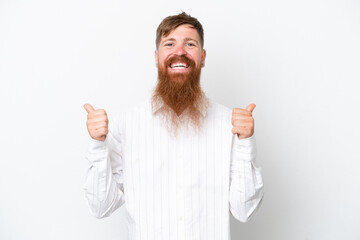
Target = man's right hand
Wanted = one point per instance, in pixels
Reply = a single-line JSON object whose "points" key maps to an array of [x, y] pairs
{"points": [[97, 123]]}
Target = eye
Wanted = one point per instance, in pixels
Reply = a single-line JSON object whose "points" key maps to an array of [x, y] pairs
{"points": [[168, 44], [190, 44]]}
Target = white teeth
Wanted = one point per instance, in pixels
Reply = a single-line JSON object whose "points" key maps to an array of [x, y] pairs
{"points": [[178, 65]]}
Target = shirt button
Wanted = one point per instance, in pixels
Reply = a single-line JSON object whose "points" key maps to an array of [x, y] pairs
{"points": [[180, 218]]}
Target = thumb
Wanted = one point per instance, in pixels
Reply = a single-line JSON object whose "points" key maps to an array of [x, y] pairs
{"points": [[89, 108], [251, 107]]}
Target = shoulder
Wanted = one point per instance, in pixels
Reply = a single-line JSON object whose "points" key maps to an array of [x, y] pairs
{"points": [[218, 109], [135, 114], [130, 116], [137, 109], [219, 113], [141, 107], [219, 117]]}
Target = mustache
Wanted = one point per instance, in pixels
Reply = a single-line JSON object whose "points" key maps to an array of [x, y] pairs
{"points": [[182, 58]]}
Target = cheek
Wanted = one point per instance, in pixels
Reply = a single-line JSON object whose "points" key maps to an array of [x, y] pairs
{"points": [[196, 57], [164, 53], [163, 57]]}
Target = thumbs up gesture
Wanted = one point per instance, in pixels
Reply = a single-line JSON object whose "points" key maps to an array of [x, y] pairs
{"points": [[97, 123], [243, 122]]}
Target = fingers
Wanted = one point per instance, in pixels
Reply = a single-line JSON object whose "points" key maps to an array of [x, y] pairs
{"points": [[98, 114], [251, 107], [243, 130], [92, 112], [102, 132], [237, 118], [240, 111], [97, 122], [248, 111], [243, 121], [100, 118], [94, 125], [89, 108], [99, 134]]}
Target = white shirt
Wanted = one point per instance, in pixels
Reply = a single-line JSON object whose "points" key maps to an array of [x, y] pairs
{"points": [[181, 187]]}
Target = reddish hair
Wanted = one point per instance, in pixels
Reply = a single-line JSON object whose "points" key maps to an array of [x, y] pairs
{"points": [[171, 22]]}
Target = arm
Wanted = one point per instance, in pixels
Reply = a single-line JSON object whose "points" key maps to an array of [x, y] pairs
{"points": [[246, 186], [103, 179]]}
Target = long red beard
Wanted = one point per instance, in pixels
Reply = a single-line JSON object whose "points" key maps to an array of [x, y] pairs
{"points": [[182, 94]]}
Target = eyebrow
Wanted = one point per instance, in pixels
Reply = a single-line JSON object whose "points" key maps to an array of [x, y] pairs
{"points": [[168, 39], [190, 39], [174, 40]]}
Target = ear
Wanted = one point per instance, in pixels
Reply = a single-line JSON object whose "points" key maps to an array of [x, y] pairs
{"points": [[203, 56], [156, 57]]}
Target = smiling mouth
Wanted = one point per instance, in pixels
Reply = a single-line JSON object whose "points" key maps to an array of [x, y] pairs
{"points": [[179, 65]]}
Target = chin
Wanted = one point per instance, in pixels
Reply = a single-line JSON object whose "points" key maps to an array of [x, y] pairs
{"points": [[178, 78]]}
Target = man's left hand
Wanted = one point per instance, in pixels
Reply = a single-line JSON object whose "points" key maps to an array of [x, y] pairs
{"points": [[243, 122]]}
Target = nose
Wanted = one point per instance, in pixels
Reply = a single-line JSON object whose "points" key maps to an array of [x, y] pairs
{"points": [[179, 51]]}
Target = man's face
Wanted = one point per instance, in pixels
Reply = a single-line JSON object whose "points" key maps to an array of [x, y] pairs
{"points": [[180, 52]]}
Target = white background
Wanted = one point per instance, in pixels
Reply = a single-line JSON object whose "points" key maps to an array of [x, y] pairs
{"points": [[299, 61]]}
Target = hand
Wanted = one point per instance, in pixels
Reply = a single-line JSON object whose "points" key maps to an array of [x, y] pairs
{"points": [[243, 122], [97, 123]]}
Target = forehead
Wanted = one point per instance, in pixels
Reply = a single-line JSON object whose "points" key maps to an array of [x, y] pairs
{"points": [[182, 32]]}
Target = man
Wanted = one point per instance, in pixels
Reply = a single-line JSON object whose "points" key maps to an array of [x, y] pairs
{"points": [[180, 162]]}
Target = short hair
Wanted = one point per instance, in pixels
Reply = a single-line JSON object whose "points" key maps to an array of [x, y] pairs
{"points": [[171, 22]]}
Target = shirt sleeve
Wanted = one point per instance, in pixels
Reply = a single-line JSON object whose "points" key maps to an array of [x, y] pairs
{"points": [[246, 185], [103, 181]]}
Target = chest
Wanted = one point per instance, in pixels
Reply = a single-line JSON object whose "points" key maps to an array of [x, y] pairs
{"points": [[191, 161]]}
